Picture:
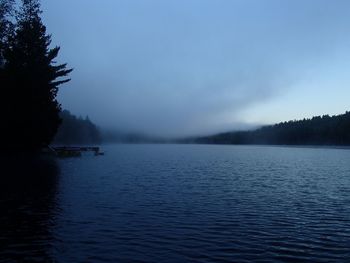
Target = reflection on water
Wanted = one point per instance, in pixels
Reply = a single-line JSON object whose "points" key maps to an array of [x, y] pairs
{"points": [[27, 202], [204, 203], [178, 203]]}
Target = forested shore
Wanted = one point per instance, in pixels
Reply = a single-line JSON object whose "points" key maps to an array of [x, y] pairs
{"points": [[319, 130], [76, 131]]}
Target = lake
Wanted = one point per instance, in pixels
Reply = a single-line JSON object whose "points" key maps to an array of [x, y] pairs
{"points": [[179, 203]]}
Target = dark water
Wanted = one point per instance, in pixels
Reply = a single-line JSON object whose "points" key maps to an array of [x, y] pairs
{"points": [[180, 203]]}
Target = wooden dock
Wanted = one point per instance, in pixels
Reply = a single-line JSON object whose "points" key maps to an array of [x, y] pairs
{"points": [[75, 151]]}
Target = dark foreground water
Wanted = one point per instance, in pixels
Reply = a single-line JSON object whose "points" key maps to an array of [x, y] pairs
{"points": [[179, 203]]}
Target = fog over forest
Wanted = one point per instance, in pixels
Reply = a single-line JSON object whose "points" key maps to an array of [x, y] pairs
{"points": [[177, 68], [175, 131]]}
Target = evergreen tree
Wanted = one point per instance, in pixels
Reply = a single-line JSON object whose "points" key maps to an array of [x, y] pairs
{"points": [[319, 130], [32, 81], [76, 131], [6, 26]]}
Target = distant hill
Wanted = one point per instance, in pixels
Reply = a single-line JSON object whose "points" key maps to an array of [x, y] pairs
{"points": [[320, 130], [76, 131]]}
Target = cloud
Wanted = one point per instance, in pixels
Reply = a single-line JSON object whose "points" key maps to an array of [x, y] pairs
{"points": [[185, 67]]}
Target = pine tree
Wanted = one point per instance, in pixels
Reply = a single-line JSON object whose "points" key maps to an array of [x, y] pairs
{"points": [[6, 26], [32, 82]]}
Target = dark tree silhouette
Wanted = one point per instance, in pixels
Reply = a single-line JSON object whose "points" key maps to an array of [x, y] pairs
{"points": [[320, 130], [31, 83], [76, 131], [6, 26]]}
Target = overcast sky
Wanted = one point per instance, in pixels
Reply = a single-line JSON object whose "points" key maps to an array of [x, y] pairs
{"points": [[183, 67]]}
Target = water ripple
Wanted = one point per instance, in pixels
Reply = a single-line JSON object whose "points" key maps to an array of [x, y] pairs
{"points": [[182, 203]]}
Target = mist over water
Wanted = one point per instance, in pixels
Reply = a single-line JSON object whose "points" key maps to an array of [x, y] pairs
{"points": [[199, 67], [185, 91]]}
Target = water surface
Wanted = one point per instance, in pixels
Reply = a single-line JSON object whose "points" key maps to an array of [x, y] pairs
{"points": [[185, 203]]}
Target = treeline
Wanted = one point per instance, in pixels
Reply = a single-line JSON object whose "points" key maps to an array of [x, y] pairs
{"points": [[320, 130], [30, 78], [76, 131]]}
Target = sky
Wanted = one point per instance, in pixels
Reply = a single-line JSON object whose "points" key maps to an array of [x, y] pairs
{"points": [[187, 67]]}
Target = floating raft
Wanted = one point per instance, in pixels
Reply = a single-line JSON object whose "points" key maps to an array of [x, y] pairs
{"points": [[65, 151]]}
